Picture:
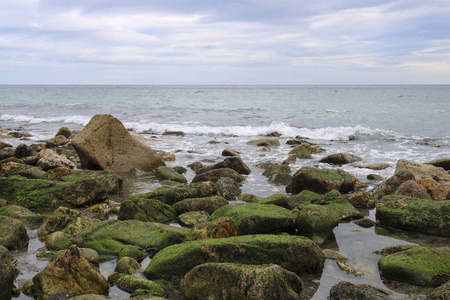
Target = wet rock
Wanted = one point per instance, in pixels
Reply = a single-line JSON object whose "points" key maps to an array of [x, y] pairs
{"points": [[255, 218], [317, 222], [228, 188], [374, 177], [57, 241], [348, 290], [8, 273], [208, 204], [229, 152], [13, 234], [420, 215], [321, 181], [440, 293], [49, 159], [305, 150], [361, 200], [235, 163], [146, 210], [27, 171], [56, 141], [23, 151], [217, 229], [64, 131], [419, 265], [278, 174], [216, 174], [104, 143], [278, 199], [389, 186], [192, 218], [196, 166], [264, 142], [366, 223], [127, 265], [290, 160], [133, 252], [345, 266], [441, 192], [108, 179], [422, 171], [411, 188], [60, 172], [21, 213], [394, 249], [4, 145], [131, 283], [167, 173], [294, 253], [377, 167], [173, 132], [249, 198], [334, 255], [63, 275], [340, 159], [236, 281]]}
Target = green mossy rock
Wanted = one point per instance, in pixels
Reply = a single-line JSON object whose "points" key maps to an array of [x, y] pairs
{"points": [[278, 199], [217, 281], [172, 195], [317, 222], [440, 293], [42, 194], [216, 174], [420, 215], [109, 179], [217, 229], [192, 218], [208, 204], [304, 197], [419, 265], [389, 186], [255, 218], [57, 241], [278, 174], [131, 283], [146, 210], [21, 213], [365, 223], [294, 253], [321, 181], [27, 171], [168, 173], [127, 266], [13, 234], [235, 163], [110, 236], [91, 255], [348, 290], [132, 251]]}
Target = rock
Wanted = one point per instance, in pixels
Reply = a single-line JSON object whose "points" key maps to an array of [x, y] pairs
{"points": [[192, 218], [290, 160], [236, 281], [90, 297], [217, 229], [305, 150], [294, 253], [361, 200], [254, 218], [348, 290], [365, 223], [347, 268], [441, 163], [228, 188], [4, 145], [264, 142], [374, 177], [56, 141], [21, 213], [389, 186], [419, 215], [60, 172], [64, 131], [419, 265], [133, 252], [49, 159], [30, 172], [229, 152], [196, 166], [278, 199], [427, 184], [377, 167], [57, 241], [7, 273], [108, 179], [321, 181], [317, 222], [441, 192], [167, 173], [127, 265], [440, 293], [216, 174], [104, 143], [23, 151], [172, 195], [208, 204], [278, 174], [249, 198], [110, 236], [172, 132], [63, 275], [411, 188], [340, 159], [235, 163], [13, 234], [334, 255], [422, 171], [130, 284], [146, 210]]}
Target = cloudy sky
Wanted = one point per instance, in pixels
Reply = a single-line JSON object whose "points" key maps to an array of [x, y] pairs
{"points": [[224, 42]]}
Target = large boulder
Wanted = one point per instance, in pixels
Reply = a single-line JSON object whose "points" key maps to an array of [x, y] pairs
{"points": [[422, 171], [236, 281], [421, 215], [411, 188], [255, 218], [294, 253], [71, 273], [208, 204], [235, 163], [7, 273], [105, 143], [419, 265], [321, 181], [13, 234], [146, 210]]}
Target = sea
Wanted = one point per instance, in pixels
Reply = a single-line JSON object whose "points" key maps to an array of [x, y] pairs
{"points": [[379, 123]]}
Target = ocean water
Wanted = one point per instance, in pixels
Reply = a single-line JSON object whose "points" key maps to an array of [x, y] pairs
{"points": [[380, 124]]}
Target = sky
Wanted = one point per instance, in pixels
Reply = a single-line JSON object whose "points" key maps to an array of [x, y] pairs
{"points": [[224, 42]]}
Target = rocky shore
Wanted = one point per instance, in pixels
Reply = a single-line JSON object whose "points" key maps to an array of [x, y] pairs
{"points": [[228, 244]]}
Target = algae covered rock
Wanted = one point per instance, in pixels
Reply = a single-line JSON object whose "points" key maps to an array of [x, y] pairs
{"points": [[57, 241], [63, 275], [109, 179], [440, 293], [133, 252], [131, 283], [215, 174], [340, 159], [217, 229], [422, 171], [21, 213], [146, 210], [348, 290], [419, 265], [389, 186], [421, 215], [7, 273], [192, 218], [167, 173], [127, 265], [208, 204], [27, 171], [278, 199], [411, 188], [235, 163], [317, 222], [305, 149], [278, 174], [237, 281], [361, 200], [294, 253], [13, 234], [255, 218], [321, 181], [228, 188]]}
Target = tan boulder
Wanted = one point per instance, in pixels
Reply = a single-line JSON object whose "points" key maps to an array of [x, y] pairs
{"points": [[441, 192], [422, 171], [264, 142], [105, 143], [49, 159]]}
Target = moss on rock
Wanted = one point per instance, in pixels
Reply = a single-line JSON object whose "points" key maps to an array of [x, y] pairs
{"points": [[146, 210], [208, 204], [131, 283], [317, 222], [215, 174]]}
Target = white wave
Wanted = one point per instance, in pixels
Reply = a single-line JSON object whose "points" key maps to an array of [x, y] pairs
{"points": [[76, 119]]}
